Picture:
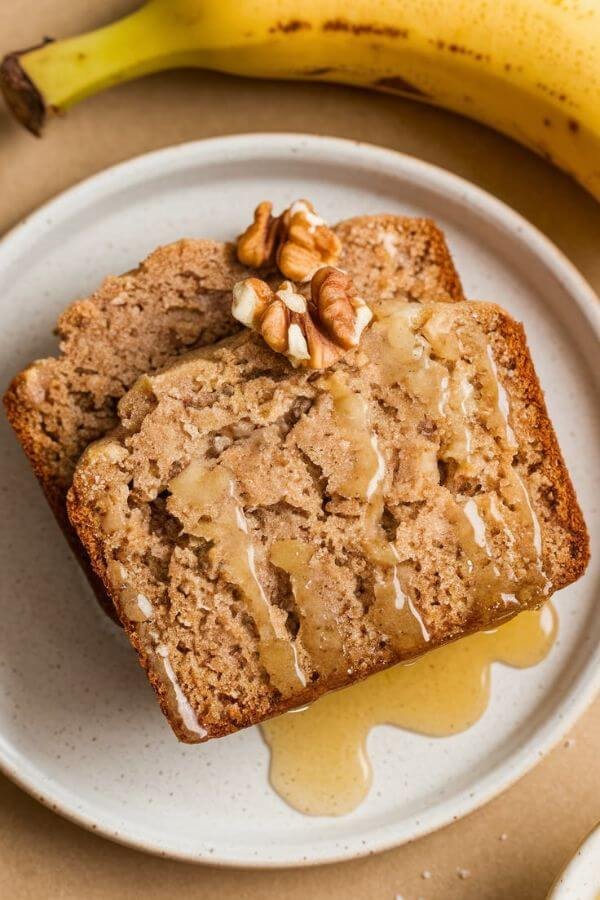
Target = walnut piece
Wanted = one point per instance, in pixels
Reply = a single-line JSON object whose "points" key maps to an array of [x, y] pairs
{"points": [[257, 246], [313, 332], [306, 244], [298, 242]]}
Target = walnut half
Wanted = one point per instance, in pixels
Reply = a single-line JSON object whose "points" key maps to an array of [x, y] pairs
{"points": [[298, 242], [257, 246], [313, 332]]}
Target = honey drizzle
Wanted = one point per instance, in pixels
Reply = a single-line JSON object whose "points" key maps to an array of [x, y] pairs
{"points": [[393, 611], [352, 419], [319, 631], [412, 333], [319, 761], [206, 503], [186, 713]]}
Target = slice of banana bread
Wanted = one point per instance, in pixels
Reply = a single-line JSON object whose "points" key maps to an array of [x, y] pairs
{"points": [[269, 534], [180, 298]]}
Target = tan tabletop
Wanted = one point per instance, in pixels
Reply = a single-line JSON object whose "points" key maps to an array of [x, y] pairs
{"points": [[548, 812]]}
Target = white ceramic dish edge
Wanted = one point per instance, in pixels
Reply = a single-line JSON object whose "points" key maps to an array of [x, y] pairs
{"points": [[588, 683], [580, 879]]}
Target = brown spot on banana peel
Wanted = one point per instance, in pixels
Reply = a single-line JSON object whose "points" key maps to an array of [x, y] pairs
{"points": [[289, 27], [554, 93], [22, 97], [463, 50], [359, 28]]}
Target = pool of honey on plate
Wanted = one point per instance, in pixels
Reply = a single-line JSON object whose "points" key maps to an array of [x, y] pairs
{"points": [[319, 759]]}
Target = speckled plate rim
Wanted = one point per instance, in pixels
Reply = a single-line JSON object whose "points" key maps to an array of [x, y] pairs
{"points": [[575, 881], [366, 157]]}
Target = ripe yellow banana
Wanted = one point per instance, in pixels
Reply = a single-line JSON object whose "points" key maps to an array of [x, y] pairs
{"points": [[530, 68]]}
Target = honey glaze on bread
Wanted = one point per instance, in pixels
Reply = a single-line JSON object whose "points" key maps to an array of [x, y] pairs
{"points": [[416, 487]]}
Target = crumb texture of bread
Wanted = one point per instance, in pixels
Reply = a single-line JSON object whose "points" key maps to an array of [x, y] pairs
{"points": [[176, 300], [268, 534], [392, 257], [179, 299]]}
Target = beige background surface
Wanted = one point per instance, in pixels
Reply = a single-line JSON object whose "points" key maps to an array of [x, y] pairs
{"points": [[547, 813]]}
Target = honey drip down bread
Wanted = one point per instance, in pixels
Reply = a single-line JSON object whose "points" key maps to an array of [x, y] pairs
{"points": [[320, 755], [268, 534]]}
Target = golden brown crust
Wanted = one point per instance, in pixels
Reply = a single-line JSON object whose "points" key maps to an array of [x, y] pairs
{"points": [[565, 532], [22, 417], [86, 527]]}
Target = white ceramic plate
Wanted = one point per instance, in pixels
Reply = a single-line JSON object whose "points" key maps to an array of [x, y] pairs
{"points": [[580, 879], [79, 727]]}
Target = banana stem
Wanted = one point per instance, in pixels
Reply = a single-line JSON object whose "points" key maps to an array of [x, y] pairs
{"points": [[55, 75]]}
